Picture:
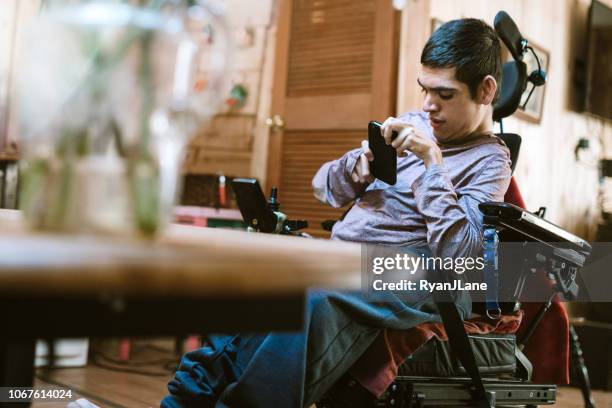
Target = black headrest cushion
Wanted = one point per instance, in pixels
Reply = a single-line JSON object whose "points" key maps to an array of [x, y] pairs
{"points": [[514, 80], [509, 34]]}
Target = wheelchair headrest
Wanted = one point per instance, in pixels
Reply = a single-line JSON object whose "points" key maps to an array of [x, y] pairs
{"points": [[514, 77], [514, 81], [511, 36]]}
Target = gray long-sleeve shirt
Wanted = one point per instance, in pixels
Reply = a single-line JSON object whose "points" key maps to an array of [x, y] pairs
{"points": [[438, 205]]}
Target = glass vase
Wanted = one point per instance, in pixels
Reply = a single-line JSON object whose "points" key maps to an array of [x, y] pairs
{"points": [[107, 98]]}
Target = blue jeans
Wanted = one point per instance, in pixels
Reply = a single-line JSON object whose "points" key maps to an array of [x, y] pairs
{"points": [[294, 369]]}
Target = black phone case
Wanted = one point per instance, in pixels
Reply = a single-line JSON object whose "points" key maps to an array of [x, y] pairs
{"points": [[384, 165]]}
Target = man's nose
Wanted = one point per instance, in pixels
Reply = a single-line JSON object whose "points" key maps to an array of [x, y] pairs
{"points": [[430, 105]]}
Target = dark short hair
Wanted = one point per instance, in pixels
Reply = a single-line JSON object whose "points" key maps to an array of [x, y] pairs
{"points": [[471, 46]]}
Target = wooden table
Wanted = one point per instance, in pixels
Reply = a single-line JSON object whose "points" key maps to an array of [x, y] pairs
{"points": [[186, 260], [190, 280]]}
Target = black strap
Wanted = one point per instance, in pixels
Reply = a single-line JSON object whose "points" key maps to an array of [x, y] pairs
{"points": [[460, 346]]}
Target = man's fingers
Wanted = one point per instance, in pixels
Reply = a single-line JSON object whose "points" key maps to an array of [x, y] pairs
{"points": [[398, 140], [365, 146], [406, 138], [361, 172], [387, 129], [393, 124], [401, 149], [386, 124], [407, 131], [365, 168], [405, 134], [387, 121]]}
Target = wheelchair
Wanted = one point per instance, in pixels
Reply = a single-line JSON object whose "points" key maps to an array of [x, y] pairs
{"points": [[484, 370]]}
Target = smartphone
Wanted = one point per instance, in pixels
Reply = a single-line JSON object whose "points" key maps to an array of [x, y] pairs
{"points": [[384, 165]]}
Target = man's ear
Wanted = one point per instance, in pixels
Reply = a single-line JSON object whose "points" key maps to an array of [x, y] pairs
{"points": [[487, 90]]}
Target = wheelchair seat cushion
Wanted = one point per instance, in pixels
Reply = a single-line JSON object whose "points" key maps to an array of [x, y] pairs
{"points": [[494, 353], [379, 365]]}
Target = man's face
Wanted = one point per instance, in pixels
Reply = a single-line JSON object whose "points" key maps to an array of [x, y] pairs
{"points": [[453, 114]]}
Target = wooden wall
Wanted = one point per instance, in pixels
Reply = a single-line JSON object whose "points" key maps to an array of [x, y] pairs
{"points": [[547, 171]]}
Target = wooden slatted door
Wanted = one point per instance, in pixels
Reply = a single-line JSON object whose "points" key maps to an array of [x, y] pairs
{"points": [[335, 71]]}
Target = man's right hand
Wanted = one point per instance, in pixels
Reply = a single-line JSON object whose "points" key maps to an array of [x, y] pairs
{"points": [[361, 171]]}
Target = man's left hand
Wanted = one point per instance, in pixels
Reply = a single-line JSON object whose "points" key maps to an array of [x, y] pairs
{"points": [[409, 138]]}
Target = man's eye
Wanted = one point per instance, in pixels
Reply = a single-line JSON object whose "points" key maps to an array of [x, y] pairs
{"points": [[423, 90], [446, 96]]}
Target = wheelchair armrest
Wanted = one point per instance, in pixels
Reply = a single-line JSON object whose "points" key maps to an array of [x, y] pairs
{"points": [[531, 227], [558, 252]]}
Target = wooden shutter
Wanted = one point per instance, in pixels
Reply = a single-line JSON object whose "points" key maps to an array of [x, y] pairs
{"points": [[303, 154], [331, 48]]}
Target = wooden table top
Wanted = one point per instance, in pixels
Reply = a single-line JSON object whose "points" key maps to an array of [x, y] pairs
{"points": [[185, 260], [9, 155]]}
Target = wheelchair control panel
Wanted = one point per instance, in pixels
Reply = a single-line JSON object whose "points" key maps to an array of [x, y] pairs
{"points": [[541, 246], [531, 226], [263, 215]]}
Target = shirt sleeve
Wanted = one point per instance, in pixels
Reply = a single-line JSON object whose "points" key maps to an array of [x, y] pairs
{"points": [[333, 184], [454, 222]]}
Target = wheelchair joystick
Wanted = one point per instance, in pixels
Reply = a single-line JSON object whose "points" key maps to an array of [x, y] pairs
{"points": [[288, 226], [263, 215], [273, 203]]}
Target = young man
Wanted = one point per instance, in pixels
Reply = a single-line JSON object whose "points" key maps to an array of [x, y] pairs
{"points": [[449, 162]]}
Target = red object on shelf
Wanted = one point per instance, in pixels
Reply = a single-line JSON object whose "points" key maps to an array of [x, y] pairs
{"points": [[222, 192], [124, 349]]}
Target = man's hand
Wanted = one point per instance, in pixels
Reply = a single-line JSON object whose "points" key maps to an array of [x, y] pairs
{"points": [[409, 138], [361, 172]]}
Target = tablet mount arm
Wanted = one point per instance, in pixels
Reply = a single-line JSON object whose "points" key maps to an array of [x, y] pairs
{"points": [[282, 224]]}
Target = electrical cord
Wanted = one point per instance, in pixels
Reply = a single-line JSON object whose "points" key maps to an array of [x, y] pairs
{"points": [[536, 78]]}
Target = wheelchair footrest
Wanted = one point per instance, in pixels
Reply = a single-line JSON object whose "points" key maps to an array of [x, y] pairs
{"points": [[407, 392]]}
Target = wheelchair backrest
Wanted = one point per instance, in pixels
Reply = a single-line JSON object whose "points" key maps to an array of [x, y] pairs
{"points": [[513, 141]]}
